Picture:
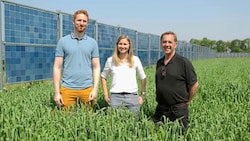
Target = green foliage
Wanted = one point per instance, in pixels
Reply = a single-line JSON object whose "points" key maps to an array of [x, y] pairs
{"points": [[236, 49], [246, 45], [223, 46], [219, 111]]}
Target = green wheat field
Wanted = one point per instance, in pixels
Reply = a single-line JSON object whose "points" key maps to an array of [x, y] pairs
{"points": [[220, 111]]}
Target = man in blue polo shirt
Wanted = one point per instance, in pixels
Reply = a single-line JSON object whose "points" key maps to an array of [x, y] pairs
{"points": [[77, 62], [176, 82]]}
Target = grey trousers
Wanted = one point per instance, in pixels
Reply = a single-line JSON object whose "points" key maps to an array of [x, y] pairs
{"points": [[128, 100]]}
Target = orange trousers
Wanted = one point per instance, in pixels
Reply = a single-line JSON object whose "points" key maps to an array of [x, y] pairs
{"points": [[69, 96]]}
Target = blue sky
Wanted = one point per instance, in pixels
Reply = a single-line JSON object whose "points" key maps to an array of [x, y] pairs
{"points": [[214, 19]]}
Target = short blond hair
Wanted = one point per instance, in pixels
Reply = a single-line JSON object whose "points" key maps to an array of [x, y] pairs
{"points": [[80, 12]]}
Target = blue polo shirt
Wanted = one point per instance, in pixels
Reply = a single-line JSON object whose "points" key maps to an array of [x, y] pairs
{"points": [[77, 60]]}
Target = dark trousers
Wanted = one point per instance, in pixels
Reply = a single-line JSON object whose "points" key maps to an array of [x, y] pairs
{"points": [[178, 111]]}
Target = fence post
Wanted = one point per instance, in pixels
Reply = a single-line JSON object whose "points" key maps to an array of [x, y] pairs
{"points": [[1, 43], [96, 31], [149, 49], [59, 25]]}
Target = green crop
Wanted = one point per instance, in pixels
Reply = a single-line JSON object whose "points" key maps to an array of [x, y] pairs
{"points": [[218, 112]]}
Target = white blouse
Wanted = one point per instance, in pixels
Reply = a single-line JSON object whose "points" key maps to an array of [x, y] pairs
{"points": [[123, 77]]}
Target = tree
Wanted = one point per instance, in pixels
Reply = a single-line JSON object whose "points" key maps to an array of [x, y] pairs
{"points": [[235, 45], [212, 44], [204, 42], [228, 46], [245, 45], [194, 41], [221, 46]]}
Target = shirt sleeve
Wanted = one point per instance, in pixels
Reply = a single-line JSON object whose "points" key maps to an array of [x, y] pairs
{"points": [[191, 74], [95, 53], [59, 49], [139, 68], [107, 68]]}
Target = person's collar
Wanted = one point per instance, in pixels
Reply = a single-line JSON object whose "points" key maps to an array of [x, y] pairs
{"points": [[73, 36], [171, 60]]}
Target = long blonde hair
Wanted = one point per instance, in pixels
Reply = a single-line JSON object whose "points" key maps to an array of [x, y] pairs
{"points": [[115, 55]]}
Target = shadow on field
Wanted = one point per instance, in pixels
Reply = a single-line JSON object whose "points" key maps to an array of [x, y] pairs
{"points": [[101, 104]]}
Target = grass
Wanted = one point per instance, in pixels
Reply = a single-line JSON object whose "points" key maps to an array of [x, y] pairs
{"points": [[219, 111]]}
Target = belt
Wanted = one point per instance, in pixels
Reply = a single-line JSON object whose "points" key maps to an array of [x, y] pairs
{"points": [[124, 93], [179, 105]]}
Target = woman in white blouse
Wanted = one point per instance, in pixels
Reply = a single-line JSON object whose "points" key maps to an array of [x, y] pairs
{"points": [[123, 67]]}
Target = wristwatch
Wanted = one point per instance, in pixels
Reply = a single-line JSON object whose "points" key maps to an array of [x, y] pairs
{"points": [[143, 94]]}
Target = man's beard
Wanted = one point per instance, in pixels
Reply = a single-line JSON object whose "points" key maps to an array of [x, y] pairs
{"points": [[80, 28]]}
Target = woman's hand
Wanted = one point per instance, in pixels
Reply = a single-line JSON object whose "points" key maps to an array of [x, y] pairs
{"points": [[141, 100]]}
